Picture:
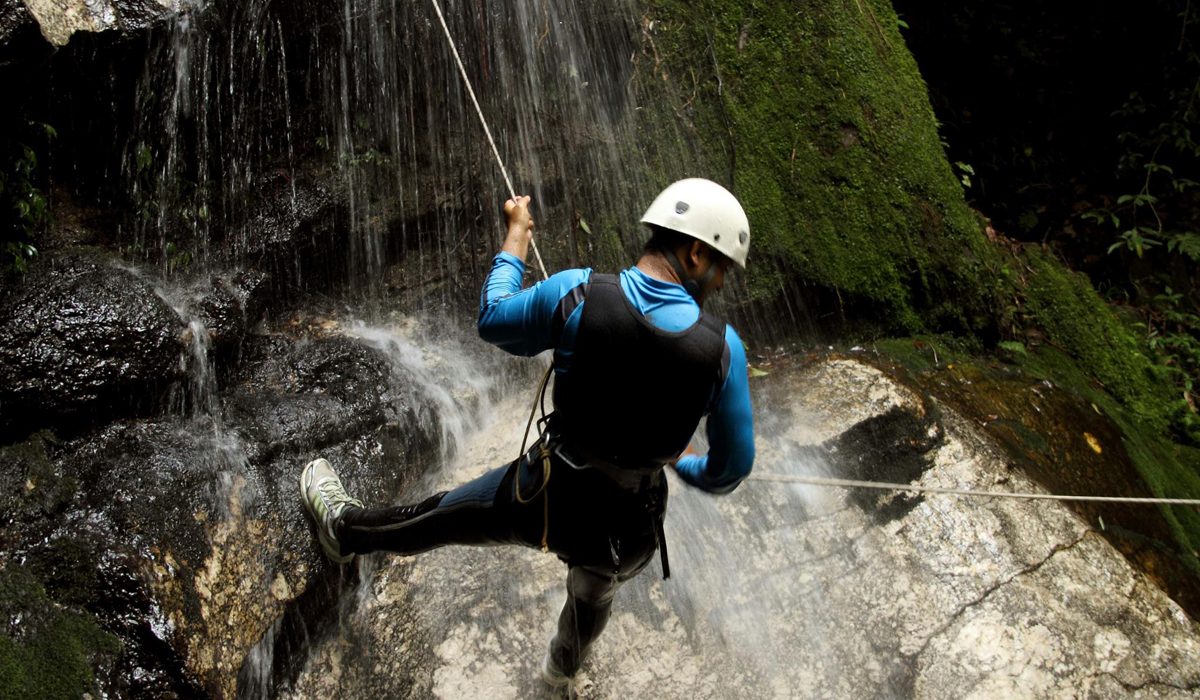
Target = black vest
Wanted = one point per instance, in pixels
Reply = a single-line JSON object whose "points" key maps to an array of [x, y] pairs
{"points": [[633, 393]]}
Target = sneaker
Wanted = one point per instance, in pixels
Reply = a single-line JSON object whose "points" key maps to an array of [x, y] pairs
{"points": [[552, 675], [325, 499]]}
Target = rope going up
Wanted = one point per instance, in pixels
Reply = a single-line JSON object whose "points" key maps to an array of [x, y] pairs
{"points": [[513, 194], [810, 480], [887, 486], [479, 110]]}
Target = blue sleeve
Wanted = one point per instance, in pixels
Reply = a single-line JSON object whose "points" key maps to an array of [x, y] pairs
{"points": [[521, 321], [730, 430]]}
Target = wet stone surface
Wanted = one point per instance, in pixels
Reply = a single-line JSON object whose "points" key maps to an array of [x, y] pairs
{"points": [[787, 591], [60, 19], [184, 536], [84, 339]]}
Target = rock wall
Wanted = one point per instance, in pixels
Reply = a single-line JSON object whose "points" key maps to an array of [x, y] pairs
{"points": [[787, 591]]}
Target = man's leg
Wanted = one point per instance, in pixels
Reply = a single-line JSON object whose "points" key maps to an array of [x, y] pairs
{"points": [[589, 602], [479, 512]]}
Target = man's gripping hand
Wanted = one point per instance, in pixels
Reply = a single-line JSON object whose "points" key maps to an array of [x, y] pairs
{"points": [[520, 226]]}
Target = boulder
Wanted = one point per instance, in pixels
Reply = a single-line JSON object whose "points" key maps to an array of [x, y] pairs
{"points": [[60, 19], [783, 590], [82, 340], [232, 305], [184, 536]]}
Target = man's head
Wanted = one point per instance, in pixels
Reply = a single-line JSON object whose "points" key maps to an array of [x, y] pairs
{"points": [[701, 230]]}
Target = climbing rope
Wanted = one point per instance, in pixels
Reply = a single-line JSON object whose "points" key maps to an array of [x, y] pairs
{"points": [[479, 110], [887, 486], [541, 265], [784, 478]]}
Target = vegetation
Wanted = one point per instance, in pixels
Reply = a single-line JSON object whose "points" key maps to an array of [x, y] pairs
{"points": [[46, 651], [821, 120], [23, 203], [817, 114], [1088, 151]]}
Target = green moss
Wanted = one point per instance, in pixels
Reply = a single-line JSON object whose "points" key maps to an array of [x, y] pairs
{"points": [[816, 113], [46, 651], [818, 116], [922, 354], [1079, 322], [1169, 470]]}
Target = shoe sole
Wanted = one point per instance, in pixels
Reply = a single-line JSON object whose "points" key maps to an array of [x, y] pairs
{"points": [[327, 546]]}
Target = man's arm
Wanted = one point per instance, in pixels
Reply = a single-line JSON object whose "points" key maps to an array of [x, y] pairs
{"points": [[730, 431], [521, 321]]}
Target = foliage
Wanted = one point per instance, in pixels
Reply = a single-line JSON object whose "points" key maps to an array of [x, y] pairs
{"points": [[46, 651], [1154, 220], [23, 203]]}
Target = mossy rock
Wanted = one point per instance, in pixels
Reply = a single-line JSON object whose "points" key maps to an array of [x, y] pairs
{"points": [[47, 651], [1067, 431], [817, 117]]}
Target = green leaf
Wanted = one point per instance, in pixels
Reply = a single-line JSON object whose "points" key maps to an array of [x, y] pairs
{"points": [[584, 225], [1125, 199], [756, 372], [142, 156], [1187, 244]]}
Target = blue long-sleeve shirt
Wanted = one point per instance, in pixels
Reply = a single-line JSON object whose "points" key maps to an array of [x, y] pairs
{"points": [[521, 321]]}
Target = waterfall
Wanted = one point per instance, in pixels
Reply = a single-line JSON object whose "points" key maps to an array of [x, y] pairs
{"points": [[265, 99]]}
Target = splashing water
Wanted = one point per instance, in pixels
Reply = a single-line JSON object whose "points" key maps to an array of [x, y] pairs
{"points": [[456, 381]]}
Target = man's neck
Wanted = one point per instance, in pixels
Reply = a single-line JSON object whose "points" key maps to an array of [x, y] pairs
{"points": [[655, 265]]}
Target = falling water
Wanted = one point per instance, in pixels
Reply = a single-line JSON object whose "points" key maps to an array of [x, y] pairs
{"points": [[267, 99], [456, 379]]}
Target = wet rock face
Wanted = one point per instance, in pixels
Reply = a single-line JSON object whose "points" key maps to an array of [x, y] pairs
{"points": [[232, 305], [59, 19], [79, 548], [83, 340], [780, 590], [13, 17], [184, 536]]}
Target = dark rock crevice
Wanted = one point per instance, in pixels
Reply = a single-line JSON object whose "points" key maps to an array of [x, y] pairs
{"points": [[987, 592]]}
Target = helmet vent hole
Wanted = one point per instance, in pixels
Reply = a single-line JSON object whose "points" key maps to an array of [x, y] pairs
{"points": [[716, 237], [742, 237], [681, 207]]}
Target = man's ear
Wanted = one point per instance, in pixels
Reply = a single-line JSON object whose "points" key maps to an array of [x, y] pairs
{"points": [[695, 253]]}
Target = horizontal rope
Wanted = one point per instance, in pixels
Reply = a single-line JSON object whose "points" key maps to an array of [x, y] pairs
{"points": [[887, 486]]}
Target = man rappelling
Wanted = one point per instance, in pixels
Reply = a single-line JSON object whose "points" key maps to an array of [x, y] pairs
{"points": [[637, 365]]}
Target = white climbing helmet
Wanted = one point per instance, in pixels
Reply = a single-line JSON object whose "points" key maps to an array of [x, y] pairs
{"points": [[706, 211]]}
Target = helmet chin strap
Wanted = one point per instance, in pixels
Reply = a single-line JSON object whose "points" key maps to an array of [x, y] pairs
{"points": [[694, 288]]}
